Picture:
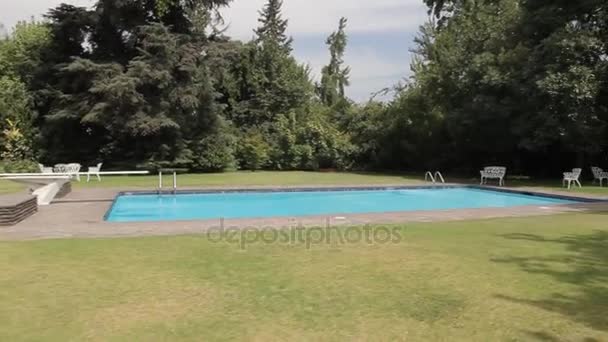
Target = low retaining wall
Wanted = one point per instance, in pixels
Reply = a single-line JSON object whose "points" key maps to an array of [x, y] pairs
{"points": [[14, 209]]}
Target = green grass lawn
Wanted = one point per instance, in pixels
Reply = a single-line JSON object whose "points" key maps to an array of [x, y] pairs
{"points": [[586, 189], [255, 178], [294, 178], [8, 187], [261, 178], [539, 278]]}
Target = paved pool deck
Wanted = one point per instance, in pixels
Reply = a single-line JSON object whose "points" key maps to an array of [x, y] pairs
{"points": [[81, 215]]}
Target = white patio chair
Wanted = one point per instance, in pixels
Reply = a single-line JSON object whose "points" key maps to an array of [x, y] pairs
{"points": [[73, 169], [493, 172], [44, 169], [599, 174], [60, 168], [572, 177], [94, 170]]}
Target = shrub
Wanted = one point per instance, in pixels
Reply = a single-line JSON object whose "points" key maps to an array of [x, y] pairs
{"points": [[215, 152], [330, 148], [15, 145], [253, 152], [18, 166]]}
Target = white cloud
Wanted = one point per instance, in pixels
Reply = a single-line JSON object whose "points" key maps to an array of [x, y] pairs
{"points": [[13, 11], [316, 17], [371, 71], [369, 68]]}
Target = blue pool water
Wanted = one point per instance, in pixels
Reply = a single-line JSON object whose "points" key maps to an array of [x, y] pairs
{"points": [[132, 208]]}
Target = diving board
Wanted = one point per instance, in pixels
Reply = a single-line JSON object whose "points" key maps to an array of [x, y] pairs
{"points": [[46, 186]]}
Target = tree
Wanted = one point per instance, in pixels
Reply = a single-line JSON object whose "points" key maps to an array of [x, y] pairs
{"points": [[271, 34], [21, 52], [513, 82], [16, 104], [130, 78], [164, 6], [268, 79], [149, 110], [335, 77], [567, 66], [21, 56]]}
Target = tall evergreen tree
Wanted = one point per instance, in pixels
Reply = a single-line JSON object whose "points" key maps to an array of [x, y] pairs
{"points": [[131, 80], [335, 77], [150, 110], [271, 81], [272, 32]]}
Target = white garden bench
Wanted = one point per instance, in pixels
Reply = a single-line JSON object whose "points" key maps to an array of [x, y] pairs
{"points": [[72, 169], [493, 172]]}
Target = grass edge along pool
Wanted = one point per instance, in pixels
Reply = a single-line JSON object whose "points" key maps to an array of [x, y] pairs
{"points": [[259, 203]]}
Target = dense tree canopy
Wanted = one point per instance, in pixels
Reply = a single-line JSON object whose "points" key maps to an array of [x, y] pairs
{"points": [[153, 83], [514, 82]]}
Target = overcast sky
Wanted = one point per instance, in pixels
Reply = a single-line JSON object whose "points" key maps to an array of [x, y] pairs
{"points": [[381, 32]]}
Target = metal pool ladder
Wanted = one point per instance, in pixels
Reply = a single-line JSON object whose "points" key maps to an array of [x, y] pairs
{"points": [[434, 178], [160, 182]]}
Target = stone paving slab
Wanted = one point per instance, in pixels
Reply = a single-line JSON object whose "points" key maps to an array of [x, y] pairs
{"points": [[81, 215]]}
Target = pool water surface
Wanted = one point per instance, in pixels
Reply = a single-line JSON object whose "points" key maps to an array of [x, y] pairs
{"points": [[199, 206]]}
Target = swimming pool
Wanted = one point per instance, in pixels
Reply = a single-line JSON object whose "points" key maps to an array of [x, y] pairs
{"points": [[198, 206]]}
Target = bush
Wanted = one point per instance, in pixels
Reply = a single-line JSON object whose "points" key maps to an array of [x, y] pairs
{"points": [[330, 148], [253, 152], [285, 153], [215, 153], [311, 143], [15, 145], [19, 166]]}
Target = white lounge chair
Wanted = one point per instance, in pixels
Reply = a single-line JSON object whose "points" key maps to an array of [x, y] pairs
{"points": [[599, 174], [44, 169], [572, 177], [94, 170], [493, 172]]}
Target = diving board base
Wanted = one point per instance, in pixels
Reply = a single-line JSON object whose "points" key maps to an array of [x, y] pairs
{"points": [[14, 209], [49, 192]]}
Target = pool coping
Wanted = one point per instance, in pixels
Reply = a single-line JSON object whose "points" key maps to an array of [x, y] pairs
{"points": [[81, 215], [360, 188]]}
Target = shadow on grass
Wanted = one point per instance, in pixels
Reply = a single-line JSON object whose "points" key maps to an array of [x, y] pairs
{"points": [[546, 337], [584, 266]]}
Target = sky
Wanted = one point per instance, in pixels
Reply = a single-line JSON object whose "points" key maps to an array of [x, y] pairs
{"points": [[381, 33]]}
